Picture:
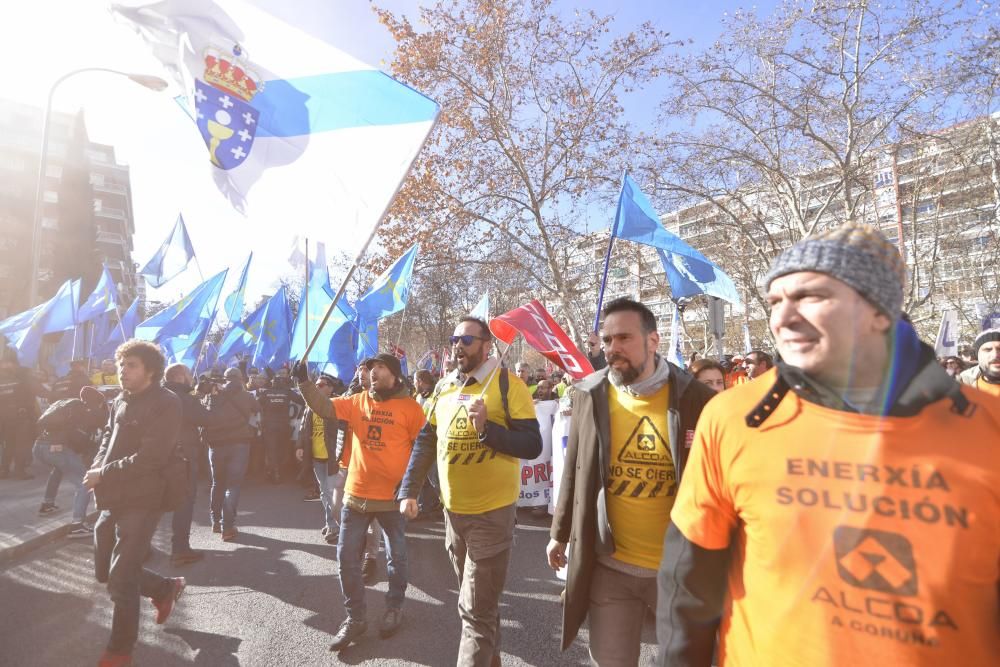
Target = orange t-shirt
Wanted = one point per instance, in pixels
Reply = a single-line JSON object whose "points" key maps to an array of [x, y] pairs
{"points": [[988, 387], [382, 435], [859, 540]]}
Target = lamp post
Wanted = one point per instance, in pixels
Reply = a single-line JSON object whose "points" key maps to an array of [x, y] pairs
{"points": [[154, 83]]}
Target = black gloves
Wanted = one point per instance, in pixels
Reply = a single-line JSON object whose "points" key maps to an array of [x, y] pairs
{"points": [[300, 372]]}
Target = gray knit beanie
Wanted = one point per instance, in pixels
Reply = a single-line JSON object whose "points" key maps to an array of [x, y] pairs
{"points": [[988, 336], [857, 255]]}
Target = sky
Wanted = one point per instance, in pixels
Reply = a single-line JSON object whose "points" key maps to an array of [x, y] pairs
{"points": [[165, 153]]}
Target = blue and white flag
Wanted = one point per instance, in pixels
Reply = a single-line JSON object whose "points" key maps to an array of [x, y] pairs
{"points": [[172, 257], [390, 291], [688, 271], [234, 302], [482, 309], [284, 114], [675, 355], [104, 299]]}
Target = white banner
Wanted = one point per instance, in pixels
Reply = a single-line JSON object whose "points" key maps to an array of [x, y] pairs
{"points": [[536, 475], [946, 344]]}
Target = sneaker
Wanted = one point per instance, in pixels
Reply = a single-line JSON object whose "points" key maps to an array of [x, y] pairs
{"points": [[186, 557], [165, 605], [80, 531], [349, 632], [47, 508], [109, 659], [311, 496], [391, 620], [368, 571], [216, 527], [229, 534]]}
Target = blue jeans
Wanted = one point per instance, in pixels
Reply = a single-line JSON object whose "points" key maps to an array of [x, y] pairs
{"points": [[121, 542], [65, 463], [229, 466], [180, 526], [351, 551], [331, 492]]}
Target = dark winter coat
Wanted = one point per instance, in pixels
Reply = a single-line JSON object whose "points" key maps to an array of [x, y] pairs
{"points": [[232, 408]]}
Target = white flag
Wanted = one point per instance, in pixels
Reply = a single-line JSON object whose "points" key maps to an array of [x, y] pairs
{"points": [[946, 344]]}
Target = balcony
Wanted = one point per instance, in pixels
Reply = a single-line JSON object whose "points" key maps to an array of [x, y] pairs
{"points": [[113, 213]]}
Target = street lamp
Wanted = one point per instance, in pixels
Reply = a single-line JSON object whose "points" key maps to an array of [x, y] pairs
{"points": [[154, 83]]}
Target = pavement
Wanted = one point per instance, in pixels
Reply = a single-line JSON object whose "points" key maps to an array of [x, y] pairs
{"points": [[269, 598]]}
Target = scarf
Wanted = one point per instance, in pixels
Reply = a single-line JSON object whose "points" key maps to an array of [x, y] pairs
{"points": [[651, 385]]}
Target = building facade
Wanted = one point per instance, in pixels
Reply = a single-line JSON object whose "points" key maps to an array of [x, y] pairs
{"points": [[86, 219]]}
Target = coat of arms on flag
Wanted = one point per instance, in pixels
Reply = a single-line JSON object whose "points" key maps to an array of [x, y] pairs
{"points": [[225, 117]]}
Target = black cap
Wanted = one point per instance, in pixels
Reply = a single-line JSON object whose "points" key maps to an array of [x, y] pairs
{"points": [[390, 361]]}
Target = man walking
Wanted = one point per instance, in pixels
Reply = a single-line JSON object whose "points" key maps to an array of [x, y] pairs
{"points": [[318, 449], [633, 422], [130, 489], [843, 509], [229, 437], [985, 376], [194, 415], [480, 424], [384, 422], [18, 411]]}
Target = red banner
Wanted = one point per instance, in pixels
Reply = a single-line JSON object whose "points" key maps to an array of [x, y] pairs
{"points": [[541, 332]]}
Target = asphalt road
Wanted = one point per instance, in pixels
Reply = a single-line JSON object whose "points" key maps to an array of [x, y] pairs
{"points": [[272, 598]]}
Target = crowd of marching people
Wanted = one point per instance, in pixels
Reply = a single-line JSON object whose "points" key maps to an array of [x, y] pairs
{"points": [[833, 501]]}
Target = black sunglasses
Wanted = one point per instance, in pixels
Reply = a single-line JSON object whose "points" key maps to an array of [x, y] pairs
{"points": [[466, 340]]}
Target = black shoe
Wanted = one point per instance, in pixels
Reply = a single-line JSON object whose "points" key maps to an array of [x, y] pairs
{"points": [[216, 527], [332, 537], [349, 632], [80, 531], [368, 571], [391, 620], [47, 508], [186, 557]]}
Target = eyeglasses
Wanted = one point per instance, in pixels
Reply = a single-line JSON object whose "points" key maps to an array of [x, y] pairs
{"points": [[466, 340]]}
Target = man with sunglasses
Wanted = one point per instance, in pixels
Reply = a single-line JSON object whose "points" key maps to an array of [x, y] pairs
{"points": [[480, 423]]}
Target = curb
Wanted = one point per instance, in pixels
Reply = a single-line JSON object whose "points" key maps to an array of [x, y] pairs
{"points": [[13, 552]]}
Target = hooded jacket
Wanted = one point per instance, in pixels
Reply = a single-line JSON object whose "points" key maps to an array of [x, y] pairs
{"points": [[194, 416], [581, 512]]}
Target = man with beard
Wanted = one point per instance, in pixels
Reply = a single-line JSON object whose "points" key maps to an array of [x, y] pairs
{"points": [[384, 422], [842, 509], [632, 424], [985, 376], [481, 422]]}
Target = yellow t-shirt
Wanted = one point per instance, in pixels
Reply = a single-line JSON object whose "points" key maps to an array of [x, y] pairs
{"points": [[100, 378], [856, 539], [475, 478], [642, 483], [989, 388], [319, 438]]}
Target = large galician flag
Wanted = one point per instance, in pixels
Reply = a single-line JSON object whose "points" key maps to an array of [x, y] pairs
{"points": [[284, 114]]}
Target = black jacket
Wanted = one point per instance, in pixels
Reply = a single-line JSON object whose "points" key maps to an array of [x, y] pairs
{"points": [[194, 415], [232, 408], [581, 510], [18, 391], [72, 423], [140, 436], [276, 407], [693, 581]]}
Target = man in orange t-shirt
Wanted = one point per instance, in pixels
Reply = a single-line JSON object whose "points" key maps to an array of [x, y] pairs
{"points": [[843, 510], [384, 422]]}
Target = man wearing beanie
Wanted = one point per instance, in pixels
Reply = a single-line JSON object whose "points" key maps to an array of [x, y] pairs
{"points": [[384, 421], [842, 510], [985, 376]]}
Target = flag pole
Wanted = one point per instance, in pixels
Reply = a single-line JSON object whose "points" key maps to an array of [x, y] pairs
{"points": [[607, 258], [503, 355], [305, 292], [364, 248]]}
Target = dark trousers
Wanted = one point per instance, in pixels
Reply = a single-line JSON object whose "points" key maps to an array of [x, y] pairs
{"points": [[121, 541], [276, 444], [180, 525], [229, 467], [479, 549], [430, 494], [351, 551], [17, 434]]}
